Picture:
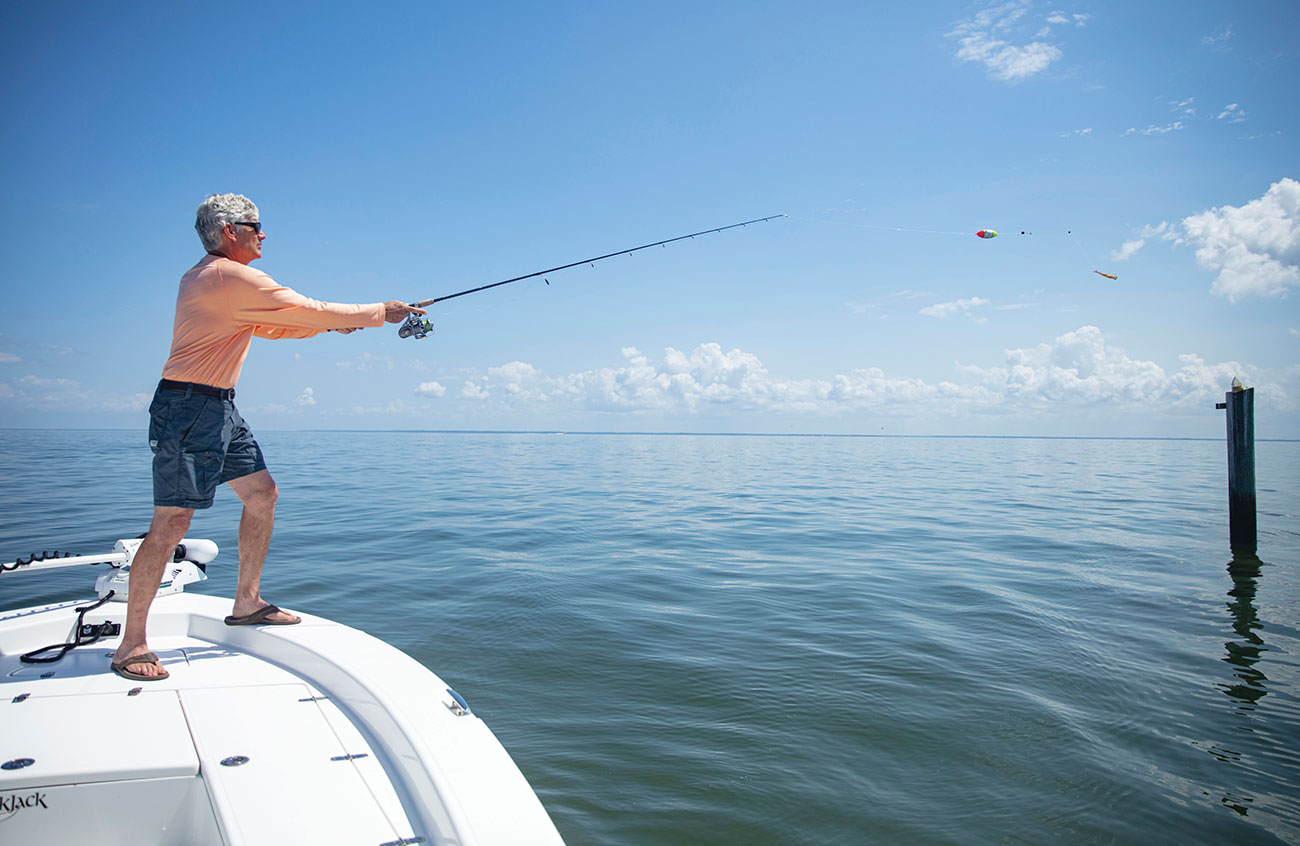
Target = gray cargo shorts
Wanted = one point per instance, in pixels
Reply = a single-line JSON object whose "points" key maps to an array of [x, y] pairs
{"points": [[198, 442]]}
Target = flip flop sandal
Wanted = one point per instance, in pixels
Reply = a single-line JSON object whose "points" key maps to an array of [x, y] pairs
{"points": [[258, 618], [145, 658]]}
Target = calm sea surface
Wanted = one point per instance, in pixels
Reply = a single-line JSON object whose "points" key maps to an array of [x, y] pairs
{"points": [[787, 640]]}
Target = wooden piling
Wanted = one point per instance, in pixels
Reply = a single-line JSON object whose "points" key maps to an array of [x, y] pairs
{"points": [[1240, 403]]}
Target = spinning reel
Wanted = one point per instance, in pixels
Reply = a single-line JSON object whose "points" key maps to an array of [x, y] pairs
{"points": [[415, 327]]}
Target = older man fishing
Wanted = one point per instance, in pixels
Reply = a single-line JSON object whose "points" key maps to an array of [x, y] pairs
{"points": [[198, 438]]}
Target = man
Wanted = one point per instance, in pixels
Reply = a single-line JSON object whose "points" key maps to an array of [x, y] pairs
{"points": [[198, 438]]}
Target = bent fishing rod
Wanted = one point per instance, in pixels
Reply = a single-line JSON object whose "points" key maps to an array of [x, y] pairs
{"points": [[418, 327]]}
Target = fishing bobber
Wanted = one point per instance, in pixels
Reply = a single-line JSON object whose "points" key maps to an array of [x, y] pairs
{"points": [[987, 233]]}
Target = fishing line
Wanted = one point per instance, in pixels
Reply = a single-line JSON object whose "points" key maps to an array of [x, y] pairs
{"points": [[1086, 257], [985, 234], [877, 226]]}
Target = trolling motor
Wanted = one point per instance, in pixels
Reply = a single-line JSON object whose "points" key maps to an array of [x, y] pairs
{"points": [[416, 327], [188, 565], [189, 561]]}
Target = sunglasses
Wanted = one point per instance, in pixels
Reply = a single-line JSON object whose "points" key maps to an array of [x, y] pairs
{"points": [[255, 225]]}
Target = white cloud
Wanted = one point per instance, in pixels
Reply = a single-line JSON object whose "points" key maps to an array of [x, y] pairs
{"points": [[983, 39], [1076, 370], [9, 358], [1077, 133], [57, 382], [963, 307], [1061, 18], [1219, 38], [130, 403], [1157, 130], [430, 389], [1232, 113], [1127, 250], [391, 407], [884, 301], [307, 397], [1254, 249], [367, 361], [38, 392], [1185, 107]]}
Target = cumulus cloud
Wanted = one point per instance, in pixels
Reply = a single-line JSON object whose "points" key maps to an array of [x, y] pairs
{"points": [[963, 307], [307, 397], [430, 389], [1081, 368], [986, 38], [1254, 249], [1075, 370]]}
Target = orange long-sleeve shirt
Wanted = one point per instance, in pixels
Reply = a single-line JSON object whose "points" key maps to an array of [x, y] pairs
{"points": [[222, 304]]}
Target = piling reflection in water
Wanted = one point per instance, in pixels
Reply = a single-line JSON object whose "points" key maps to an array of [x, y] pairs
{"points": [[1245, 653]]}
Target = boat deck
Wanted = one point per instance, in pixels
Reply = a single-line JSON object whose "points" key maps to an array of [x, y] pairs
{"points": [[315, 733]]}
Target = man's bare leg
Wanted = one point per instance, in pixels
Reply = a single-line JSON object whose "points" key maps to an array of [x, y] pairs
{"points": [[258, 493], [168, 527]]}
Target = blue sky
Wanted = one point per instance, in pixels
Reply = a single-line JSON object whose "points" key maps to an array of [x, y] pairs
{"points": [[410, 150]]}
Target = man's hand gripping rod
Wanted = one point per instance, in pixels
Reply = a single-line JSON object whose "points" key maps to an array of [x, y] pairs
{"points": [[419, 327]]}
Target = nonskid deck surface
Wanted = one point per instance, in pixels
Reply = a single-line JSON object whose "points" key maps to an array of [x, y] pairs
{"points": [[257, 736], [295, 767]]}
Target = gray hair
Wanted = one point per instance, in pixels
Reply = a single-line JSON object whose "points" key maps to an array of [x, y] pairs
{"points": [[218, 210]]}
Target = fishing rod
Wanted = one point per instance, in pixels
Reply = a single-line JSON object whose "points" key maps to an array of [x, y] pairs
{"points": [[418, 327]]}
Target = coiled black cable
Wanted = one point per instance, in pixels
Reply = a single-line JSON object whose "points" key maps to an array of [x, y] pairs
{"points": [[64, 648]]}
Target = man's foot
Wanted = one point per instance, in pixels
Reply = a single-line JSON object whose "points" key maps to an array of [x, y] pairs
{"points": [[267, 615], [143, 666]]}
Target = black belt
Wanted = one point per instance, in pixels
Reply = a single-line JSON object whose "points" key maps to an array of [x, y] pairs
{"points": [[196, 388]]}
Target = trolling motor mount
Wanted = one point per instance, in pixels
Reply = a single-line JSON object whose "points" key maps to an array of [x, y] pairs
{"points": [[415, 327]]}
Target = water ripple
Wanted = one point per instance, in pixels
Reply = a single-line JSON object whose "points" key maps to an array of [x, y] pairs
{"points": [[689, 639]]}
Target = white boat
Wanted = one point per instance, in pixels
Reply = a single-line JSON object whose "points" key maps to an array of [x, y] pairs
{"points": [[315, 733]]}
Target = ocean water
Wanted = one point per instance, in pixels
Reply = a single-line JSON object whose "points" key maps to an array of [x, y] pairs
{"points": [[787, 640]]}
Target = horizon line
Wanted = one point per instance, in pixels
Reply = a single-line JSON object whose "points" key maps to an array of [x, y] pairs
{"points": [[700, 434]]}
